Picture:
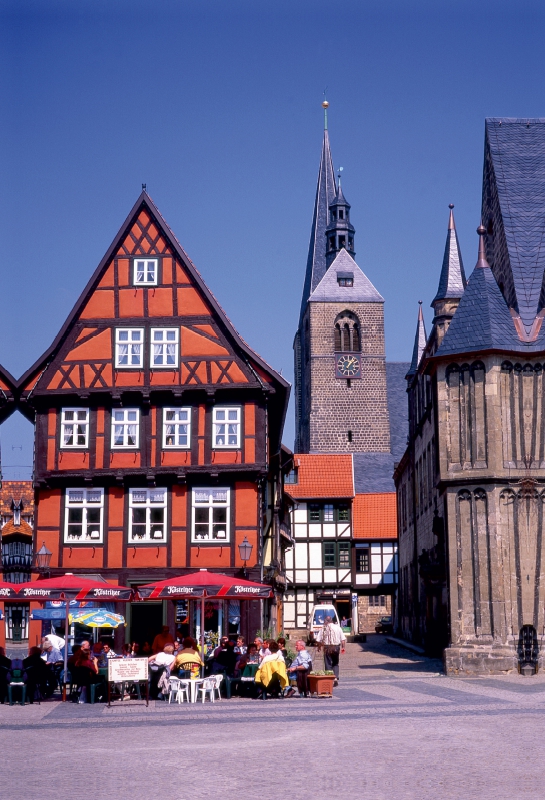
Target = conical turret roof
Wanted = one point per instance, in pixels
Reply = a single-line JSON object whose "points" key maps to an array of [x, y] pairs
{"points": [[452, 282], [420, 340]]}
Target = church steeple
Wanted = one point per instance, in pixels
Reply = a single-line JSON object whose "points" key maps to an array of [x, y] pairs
{"points": [[452, 282], [325, 193], [420, 340], [340, 231]]}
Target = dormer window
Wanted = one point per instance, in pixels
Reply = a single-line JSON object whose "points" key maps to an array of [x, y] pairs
{"points": [[341, 213], [145, 271], [345, 278]]}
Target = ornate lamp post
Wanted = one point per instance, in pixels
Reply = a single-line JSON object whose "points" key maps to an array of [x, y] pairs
{"points": [[245, 551], [42, 559]]}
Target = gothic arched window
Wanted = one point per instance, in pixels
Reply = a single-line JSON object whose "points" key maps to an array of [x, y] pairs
{"points": [[347, 333]]}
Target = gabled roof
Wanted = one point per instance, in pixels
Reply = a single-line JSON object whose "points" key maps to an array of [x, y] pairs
{"points": [[375, 516], [326, 190], [144, 202], [322, 476], [328, 290], [420, 340], [482, 321], [513, 210], [452, 281]]}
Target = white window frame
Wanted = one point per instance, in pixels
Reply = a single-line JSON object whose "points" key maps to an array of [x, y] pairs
{"points": [[148, 530], [164, 343], [198, 502], [181, 418], [218, 420], [123, 417], [131, 343], [78, 498], [145, 276], [76, 422]]}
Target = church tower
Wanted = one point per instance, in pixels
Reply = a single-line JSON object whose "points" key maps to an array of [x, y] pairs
{"points": [[340, 371]]}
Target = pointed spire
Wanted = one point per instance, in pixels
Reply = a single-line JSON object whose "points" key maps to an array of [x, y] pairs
{"points": [[453, 280], [340, 231], [325, 106], [482, 263], [325, 193], [420, 340]]}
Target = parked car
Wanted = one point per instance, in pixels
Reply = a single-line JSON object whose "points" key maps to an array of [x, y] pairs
{"points": [[317, 618], [384, 625]]}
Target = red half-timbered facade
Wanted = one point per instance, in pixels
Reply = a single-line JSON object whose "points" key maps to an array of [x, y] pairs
{"points": [[156, 425]]}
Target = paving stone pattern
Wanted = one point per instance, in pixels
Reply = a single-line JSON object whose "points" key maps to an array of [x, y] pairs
{"points": [[395, 728]]}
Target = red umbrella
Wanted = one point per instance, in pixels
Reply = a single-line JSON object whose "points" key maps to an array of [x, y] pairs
{"points": [[204, 584], [72, 587], [8, 591]]}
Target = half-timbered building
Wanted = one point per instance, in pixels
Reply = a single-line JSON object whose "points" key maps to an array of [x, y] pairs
{"points": [[157, 428]]}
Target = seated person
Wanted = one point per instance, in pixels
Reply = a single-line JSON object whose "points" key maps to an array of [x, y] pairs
{"points": [[54, 662], [300, 668], [275, 654], [272, 673], [282, 645], [73, 658], [85, 672], [37, 674], [165, 658], [225, 663], [251, 656], [160, 665], [222, 646], [105, 654], [262, 647], [188, 658], [240, 647]]}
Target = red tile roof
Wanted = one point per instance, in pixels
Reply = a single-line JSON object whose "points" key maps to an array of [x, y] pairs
{"points": [[375, 516], [16, 490], [24, 529], [324, 476]]}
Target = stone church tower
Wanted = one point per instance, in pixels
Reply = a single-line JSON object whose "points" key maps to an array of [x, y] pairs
{"points": [[340, 370], [471, 485]]}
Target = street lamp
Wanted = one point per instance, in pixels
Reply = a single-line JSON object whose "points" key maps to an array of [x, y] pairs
{"points": [[245, 550], [42, 558]]}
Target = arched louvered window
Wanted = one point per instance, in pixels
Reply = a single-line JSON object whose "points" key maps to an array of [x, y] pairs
{"points": [[347, 333]]}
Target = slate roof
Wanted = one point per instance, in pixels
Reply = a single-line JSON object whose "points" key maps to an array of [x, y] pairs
{"points": [[374, 516], [452, 281], [373, 472], [325, 476], [398, 408], [329, 290], [326, 190], [23, 529], [420, 340], [514, 199], [482, 321]]}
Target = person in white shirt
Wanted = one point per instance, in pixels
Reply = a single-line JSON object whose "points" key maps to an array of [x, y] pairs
{"points": [[333, 640], [275, 654], [57, 641], [165, 658]]}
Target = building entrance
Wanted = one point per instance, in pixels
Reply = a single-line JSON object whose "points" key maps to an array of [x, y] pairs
{"points": [[146, 622]]}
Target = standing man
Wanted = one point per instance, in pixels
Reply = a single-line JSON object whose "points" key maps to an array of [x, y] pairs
{"points": [[333, 640]]}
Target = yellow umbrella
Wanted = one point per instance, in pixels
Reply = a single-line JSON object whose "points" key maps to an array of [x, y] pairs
{"points": [[96, 618]]}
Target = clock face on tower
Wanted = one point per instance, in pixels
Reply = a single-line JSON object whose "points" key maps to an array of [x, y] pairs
{"points": [[347, 365]]}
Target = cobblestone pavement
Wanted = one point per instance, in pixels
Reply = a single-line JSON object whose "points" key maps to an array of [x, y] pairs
{"points": [[394, 728]]}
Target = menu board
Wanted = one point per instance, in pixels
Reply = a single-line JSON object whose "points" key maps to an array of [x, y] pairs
{"points": [[127, 669]]}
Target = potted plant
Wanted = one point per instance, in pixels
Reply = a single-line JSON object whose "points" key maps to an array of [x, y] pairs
{"points": [[321, 682]]}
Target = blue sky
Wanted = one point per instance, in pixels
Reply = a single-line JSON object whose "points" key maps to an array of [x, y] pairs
{"points": [[216, 107]]}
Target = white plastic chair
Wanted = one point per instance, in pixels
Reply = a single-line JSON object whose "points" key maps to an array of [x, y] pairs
{"points": [[208, 685], [173, 688], [183, 689], [218, 679]]}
